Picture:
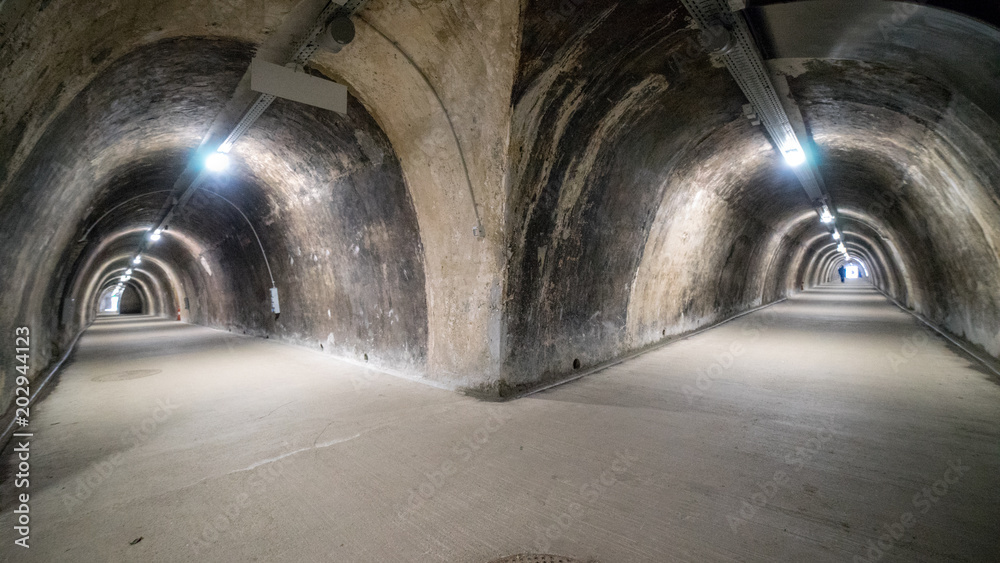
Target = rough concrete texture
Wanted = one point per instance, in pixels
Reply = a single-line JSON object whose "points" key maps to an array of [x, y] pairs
{"points": [[620, 196], [801, 432]]}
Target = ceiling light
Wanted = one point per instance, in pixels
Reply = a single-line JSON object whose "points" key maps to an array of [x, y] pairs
{"points": [[836, 235], [137, 259], [217, 161], [154, 236], [128, 272], [826, 216], [795, 157], [841, 248]]}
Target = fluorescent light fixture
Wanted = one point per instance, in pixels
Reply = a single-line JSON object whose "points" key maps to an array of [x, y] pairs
{"points": [[825, 215], [217, 161], [154, 236], [836, 235], [137, 259], [795, 157]]}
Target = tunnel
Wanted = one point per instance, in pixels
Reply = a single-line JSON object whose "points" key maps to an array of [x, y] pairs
{"points": [[508, 280]]}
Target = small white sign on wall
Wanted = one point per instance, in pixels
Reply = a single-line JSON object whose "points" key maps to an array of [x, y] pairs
{"points": [[275, 308]]}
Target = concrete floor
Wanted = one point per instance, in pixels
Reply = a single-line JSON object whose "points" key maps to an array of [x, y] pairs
{"points": [[798, 433]]}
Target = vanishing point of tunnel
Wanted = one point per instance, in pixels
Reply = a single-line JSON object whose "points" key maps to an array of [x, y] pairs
{"points": [[483, 281]]}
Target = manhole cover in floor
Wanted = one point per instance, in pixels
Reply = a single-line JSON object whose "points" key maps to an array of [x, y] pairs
{"points": [[126, 375], [536, 558]]}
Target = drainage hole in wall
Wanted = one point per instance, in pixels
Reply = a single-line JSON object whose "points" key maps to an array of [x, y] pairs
{"points": [[576, 363], [366, 357]]}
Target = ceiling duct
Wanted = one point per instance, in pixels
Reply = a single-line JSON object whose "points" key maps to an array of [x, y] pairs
{"points": [[337, 33], [726, 34]]}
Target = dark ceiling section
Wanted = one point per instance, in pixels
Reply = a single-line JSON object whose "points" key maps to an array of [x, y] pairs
{"points": [[953, 50], [134, 194], [988, 12]]}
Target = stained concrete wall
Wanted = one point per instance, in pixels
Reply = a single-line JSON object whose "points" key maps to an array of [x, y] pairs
{"points": [[442, 95]]}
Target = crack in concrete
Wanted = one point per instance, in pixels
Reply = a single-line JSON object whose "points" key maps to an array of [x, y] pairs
{"points": [[283, 456]]}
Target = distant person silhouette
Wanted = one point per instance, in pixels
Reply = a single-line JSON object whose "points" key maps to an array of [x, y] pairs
{"points": [[843, 273]]}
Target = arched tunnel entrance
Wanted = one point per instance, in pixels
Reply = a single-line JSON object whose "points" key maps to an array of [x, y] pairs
{"points": [[126, 300], [599, 281]]}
